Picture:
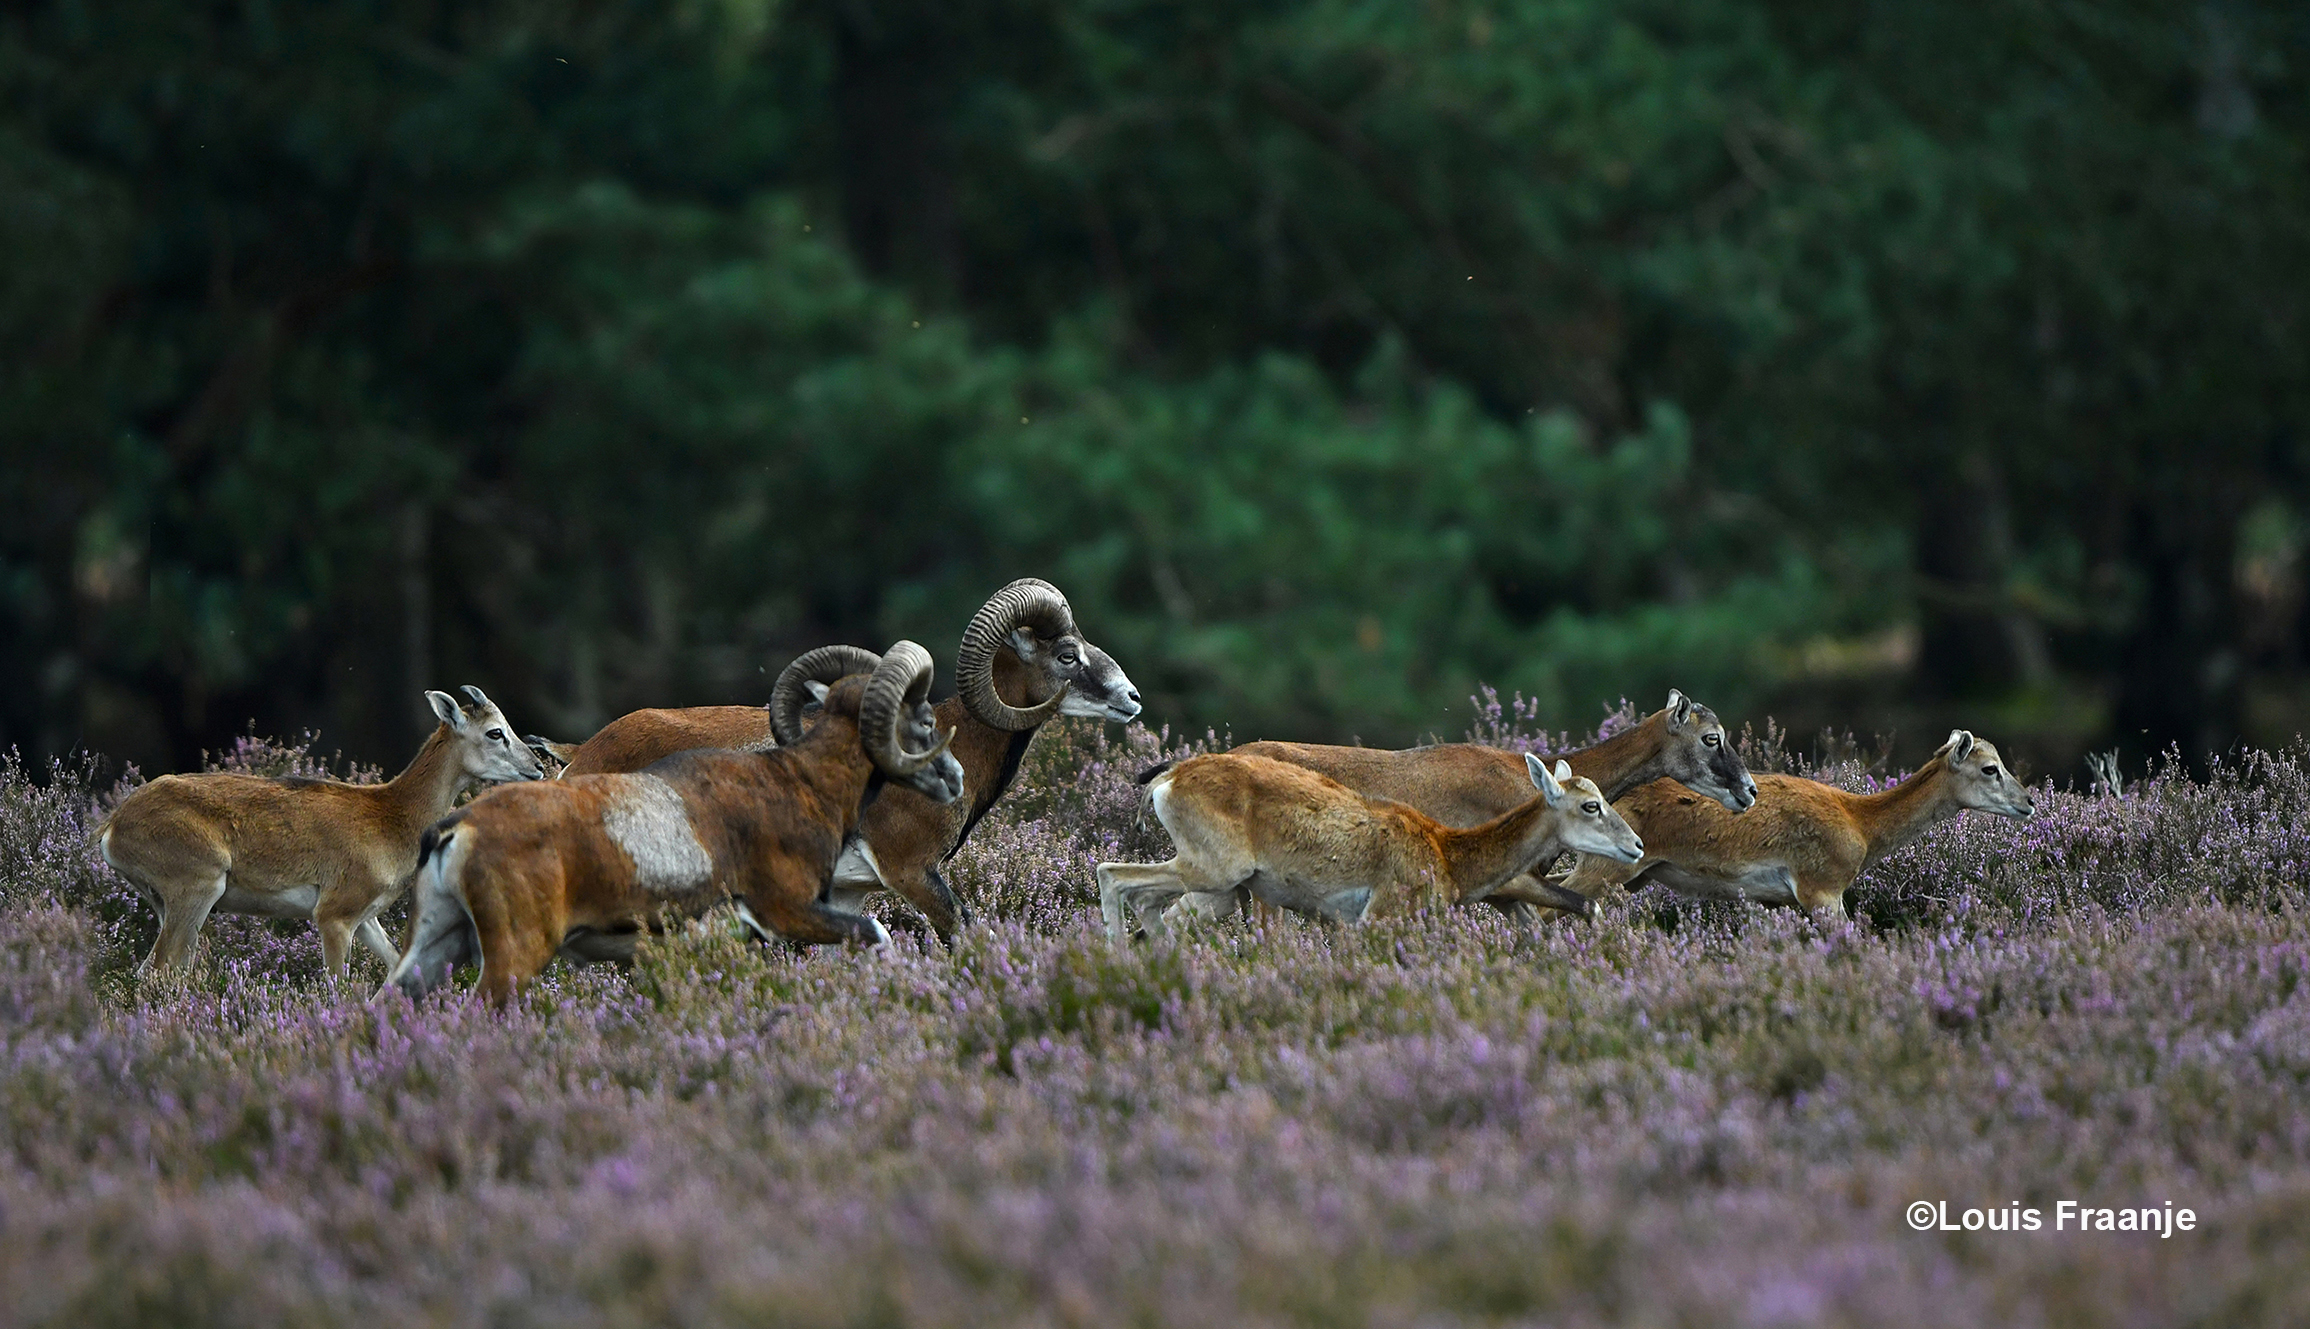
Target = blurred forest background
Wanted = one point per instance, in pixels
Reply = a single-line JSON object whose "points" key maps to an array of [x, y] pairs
{"points": [[1880, 365]]}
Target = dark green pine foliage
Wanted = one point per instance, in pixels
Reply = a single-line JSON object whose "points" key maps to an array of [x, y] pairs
{"points": [[1336, 357]]}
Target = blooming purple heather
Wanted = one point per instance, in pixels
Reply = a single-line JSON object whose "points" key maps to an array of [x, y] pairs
{"points": [[1679, 1113]]}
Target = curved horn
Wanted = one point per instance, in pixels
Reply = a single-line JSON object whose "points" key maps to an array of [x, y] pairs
{"points": [[1025, 603], [824, 665], [900, 683]]}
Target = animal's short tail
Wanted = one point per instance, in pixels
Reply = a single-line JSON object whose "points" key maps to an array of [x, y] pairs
{"points": [[436, 836], [441, 930], [1158, 768]]}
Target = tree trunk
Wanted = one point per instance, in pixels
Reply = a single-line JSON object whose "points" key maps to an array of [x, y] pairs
{"points": [[2178, 663]]}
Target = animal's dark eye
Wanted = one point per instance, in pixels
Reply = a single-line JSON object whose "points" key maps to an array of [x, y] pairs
{"points": [[1592, 807], [497, 735], [1713, 740], [1990, 770]]}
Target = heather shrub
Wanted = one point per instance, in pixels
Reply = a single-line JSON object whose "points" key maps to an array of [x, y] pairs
{"points": [[1077, 802], [47, 835], [1677, 1114]]}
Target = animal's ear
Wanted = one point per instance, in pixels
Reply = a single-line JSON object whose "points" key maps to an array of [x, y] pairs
{"points": [[480, 698], [1023, 642], [817, 690], [445, 708], [1960, 744], [1563, 772], [1679, 708], [1548, 785]]}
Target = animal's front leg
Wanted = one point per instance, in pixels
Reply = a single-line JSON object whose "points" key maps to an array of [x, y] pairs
{"points": [[857, 874], [1524, 898], [791, 906], [919, 884], [1824, 900], [962, 908], [336, 941]]}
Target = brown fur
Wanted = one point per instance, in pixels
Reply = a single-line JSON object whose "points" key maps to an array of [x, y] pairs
{"points": [[1303, 841], [1803, 842], [536, 870], [636, 739], [910, 836], [245, 844], [1466, 784], [907, 834]]}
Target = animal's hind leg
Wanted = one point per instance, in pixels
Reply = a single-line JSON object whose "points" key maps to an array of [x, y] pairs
{"points": [[1119, 880], [516, 944], [180, 871], [182, 914], [1595, 874], [441, 938], [373, 936], [808, 920], [1206, 906]]}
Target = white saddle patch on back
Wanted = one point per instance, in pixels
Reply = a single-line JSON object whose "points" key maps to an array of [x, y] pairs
{"points": [[647, 819]]}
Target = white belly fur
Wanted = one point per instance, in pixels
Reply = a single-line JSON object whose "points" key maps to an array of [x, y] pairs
{"points": [[1766, 883], [293, 902]]}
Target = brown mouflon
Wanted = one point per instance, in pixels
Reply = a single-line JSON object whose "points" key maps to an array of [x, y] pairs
{"points": [[589, 863], [1305, 842], [1467, 784], [1023, 643], [298, 848], [1804, 842]]}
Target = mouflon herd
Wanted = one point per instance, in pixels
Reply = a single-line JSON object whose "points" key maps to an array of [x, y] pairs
{"points": [[850, 782]]}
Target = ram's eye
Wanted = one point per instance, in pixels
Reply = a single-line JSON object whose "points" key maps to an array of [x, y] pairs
{"points": [[1990, 770], [497, 735], [1592, 807], [1713, 740]]}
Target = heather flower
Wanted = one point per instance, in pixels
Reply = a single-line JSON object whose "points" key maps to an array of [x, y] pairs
{"points": [[1682, 1112]]}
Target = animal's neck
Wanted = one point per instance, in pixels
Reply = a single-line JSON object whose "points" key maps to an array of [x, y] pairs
{"points": [[1627, 759], [990, 756], [1481, 859], [831, 759], [1015, 683], [1898, 815], [427, 788]]}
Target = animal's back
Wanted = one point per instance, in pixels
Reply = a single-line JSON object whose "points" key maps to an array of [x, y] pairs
{"points": [[529, 838], [1792, 817], [1458, 784], [639, 738], [266, 829], [1301, 821]]}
